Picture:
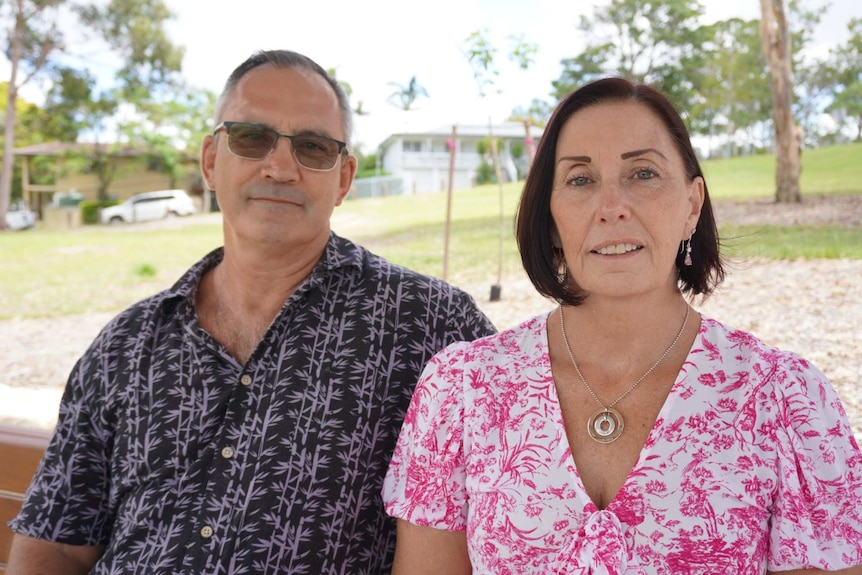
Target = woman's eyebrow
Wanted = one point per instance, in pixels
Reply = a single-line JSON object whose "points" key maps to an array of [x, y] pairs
{"points": [[584, 159], [634, 153]]}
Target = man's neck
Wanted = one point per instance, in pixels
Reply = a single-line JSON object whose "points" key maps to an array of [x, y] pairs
{"points": [[239, 298]]}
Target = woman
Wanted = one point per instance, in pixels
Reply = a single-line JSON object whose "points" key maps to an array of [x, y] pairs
{"points": [[623, 432]]}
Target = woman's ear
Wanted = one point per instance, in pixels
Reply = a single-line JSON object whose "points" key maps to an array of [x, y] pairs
{"points": [[696, 194]]}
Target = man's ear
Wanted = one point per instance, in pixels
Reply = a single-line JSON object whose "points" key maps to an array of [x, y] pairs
{"points": [[347, 171], [208, 154]]}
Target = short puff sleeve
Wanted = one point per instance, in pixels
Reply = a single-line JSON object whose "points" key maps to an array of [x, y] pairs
{"points": [[817, 515], [425, 483]]}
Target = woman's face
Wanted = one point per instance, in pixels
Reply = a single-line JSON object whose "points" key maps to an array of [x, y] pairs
{"points": [[621, 201]]}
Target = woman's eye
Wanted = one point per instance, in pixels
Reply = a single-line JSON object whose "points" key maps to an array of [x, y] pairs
{"points": [[644, 174], [579, 181]]}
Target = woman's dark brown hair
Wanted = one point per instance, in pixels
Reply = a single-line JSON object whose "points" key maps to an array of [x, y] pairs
{"points": [[534, 224]]}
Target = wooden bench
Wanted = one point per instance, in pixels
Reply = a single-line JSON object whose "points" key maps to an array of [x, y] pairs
{"points": [[20, 452]]}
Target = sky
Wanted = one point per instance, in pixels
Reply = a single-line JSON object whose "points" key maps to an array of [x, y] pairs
{"points": [[374, 44]]}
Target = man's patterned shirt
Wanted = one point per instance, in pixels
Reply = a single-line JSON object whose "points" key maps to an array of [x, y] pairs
{"points": [[179, 459]]}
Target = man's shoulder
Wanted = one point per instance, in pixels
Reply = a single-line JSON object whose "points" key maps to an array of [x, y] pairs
{"points": [[136, 318], [382, 269]]}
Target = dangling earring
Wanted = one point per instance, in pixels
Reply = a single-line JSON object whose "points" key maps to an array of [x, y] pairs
{"points": [[687, 245], [562, 276]]}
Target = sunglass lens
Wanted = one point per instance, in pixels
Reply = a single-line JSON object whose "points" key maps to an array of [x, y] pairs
{"points": [[251, 141], [315, 152]]}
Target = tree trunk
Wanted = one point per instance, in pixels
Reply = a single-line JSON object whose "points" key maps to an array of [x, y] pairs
{"points": [[775, 39], [9, 128], [497, 289]]}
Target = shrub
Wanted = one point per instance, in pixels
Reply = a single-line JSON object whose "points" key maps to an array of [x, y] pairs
{"points": [[90, 209]]}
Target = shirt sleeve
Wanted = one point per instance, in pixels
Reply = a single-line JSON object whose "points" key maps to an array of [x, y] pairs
{"points": [[817, 516], [425, 483], [68, 500]]}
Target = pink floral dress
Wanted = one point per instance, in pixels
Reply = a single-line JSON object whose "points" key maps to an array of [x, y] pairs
{"points": [[751, 465]]}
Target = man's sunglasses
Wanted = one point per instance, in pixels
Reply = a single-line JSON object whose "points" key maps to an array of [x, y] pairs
{"points": [[255, 142]]}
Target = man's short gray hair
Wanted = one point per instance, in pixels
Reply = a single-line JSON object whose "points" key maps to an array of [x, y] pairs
{"points": [[289, 60]]}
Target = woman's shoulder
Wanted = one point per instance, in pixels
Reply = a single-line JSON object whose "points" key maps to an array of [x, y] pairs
{"points": [[741, 345], [734, 350]]}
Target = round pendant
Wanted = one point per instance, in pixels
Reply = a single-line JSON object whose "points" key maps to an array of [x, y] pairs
{"points": [[606, 425]]}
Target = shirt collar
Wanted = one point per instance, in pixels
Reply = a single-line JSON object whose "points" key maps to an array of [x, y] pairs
{"points": [[338, 254]]}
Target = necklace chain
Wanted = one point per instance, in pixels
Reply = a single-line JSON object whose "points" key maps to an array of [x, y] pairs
{"points": [[635, 384]]}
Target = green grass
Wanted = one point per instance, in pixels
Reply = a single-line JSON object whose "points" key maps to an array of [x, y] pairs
{"points": [[792, 242], [53, 273], [830, 170]]}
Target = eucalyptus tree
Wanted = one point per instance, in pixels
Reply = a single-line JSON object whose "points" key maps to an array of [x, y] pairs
{"points": [[775, 37], [32, 38]]}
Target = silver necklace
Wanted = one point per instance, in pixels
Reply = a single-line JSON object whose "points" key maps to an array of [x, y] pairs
{"points": [[606, 425]]}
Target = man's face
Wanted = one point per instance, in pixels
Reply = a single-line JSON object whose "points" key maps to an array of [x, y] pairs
{"points": [[275, 201]]}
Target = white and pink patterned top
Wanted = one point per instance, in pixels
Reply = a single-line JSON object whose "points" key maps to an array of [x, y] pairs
{"points": [[751, 465]]}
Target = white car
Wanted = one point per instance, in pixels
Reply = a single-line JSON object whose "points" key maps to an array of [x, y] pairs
{"points": [[20, 219], [149, 206]]}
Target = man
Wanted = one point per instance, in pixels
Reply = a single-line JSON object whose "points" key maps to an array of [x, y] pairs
{"points": [[242, 421]]}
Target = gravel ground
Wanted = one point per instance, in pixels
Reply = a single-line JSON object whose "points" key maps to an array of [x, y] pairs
{"points": [[811, 307]]}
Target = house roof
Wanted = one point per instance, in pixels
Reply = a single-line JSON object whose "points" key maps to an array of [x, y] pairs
{"points": [[506, 129]]}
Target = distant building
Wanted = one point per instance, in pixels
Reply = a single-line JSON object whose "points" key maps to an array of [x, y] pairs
{"points": [[419, 162], [136, 171]]}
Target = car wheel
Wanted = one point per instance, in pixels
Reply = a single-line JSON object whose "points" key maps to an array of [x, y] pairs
{"points": [[116, 220]]}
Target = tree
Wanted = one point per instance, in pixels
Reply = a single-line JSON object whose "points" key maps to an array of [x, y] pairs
{"points": [[481, 55], [33, 126], [813, 79], [405, 96], [133, 29], [348, 91], [643, 40], [733, 91], [147, 84], [847, 63], [536, 114], [775, 38], [31, 41]]}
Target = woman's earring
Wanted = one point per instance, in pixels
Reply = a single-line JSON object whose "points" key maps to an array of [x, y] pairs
{"points": [[562, 277], [687, 244]]}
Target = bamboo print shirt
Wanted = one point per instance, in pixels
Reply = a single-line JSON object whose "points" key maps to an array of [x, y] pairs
{"points": [[751, 464], [181, 460]]}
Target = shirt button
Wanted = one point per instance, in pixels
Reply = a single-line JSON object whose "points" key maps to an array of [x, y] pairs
{"points": [[206, 531], [227, 452], [245, 379]]}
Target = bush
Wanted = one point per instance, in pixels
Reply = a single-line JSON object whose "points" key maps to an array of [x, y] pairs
{"points": [[485, 174], [90, 209]]}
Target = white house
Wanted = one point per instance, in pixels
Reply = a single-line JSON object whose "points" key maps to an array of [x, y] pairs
{"points": [[421, 159]]}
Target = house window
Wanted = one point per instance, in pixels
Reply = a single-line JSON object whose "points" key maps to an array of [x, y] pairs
{"points": [[439, 146], [412, 146]]}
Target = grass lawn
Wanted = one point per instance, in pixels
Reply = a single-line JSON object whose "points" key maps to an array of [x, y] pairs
{"points": [[830, 170], [50, 273]]}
